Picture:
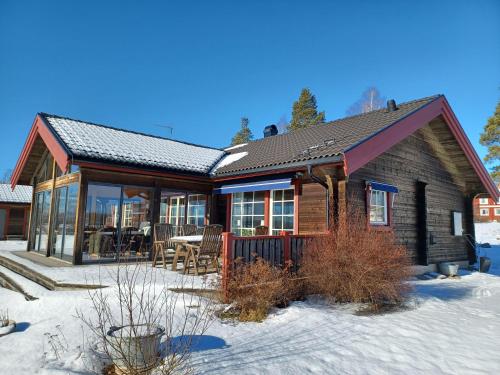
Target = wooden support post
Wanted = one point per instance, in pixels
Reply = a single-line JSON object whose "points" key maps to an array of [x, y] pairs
{"points": [[469, 228], [80, 218], [51, 210], [30, 224], [227, 261], [287, 254]]}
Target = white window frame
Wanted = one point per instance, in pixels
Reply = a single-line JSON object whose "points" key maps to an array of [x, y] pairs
{"points": [[385, 206], [484, 212], [194, 201], [179, 219], [483, 200], [272, 229], [241, 230], [497, 211]]}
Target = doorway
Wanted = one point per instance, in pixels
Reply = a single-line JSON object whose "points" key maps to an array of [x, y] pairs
{"points": [[422, 243]]}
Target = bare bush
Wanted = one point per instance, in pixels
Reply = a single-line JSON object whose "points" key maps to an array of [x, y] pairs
{"points": [[129, 316], [254, 288], [356, 263]]}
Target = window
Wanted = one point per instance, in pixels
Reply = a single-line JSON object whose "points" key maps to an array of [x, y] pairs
{"points": [[247, 212], [484, 212], [176, 210], [497, 211], [282, 211], [483, 200], [196, 209], [378, 207]]}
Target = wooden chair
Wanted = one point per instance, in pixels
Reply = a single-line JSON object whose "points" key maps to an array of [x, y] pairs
{"points": [[261, 230], [161, 245], [189, 229], [207, 252]]}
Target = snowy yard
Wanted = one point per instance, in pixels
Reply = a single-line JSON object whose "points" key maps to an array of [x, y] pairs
{"points": [[451, 327]]}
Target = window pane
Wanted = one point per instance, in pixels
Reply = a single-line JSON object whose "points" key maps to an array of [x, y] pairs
{"points": [[236, 209], [288, 208], [247, 209], [278, 195], [288, 222], [247, 222], [277, 222], [259, 196], [288, 195], [237, 197], [277, 208], [258, 209], [258, 220], [248, 197]]}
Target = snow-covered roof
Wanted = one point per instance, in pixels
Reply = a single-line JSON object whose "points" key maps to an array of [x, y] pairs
{"points": [[20, 194], [88, 142]]}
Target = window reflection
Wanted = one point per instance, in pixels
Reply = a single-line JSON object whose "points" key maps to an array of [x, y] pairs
{"points": [[117, 222]]}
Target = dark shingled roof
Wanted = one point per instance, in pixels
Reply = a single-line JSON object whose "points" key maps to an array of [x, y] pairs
{"points": [[322, 141]]}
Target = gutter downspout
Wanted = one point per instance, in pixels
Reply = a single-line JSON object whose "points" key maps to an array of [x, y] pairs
{"points": [[325, 185]]}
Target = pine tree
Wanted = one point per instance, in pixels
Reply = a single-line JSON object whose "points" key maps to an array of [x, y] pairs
{"points": [[305, 112], [491, 139], [244, 135]]}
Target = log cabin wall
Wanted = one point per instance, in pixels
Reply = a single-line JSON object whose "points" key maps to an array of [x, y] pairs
{"points": [[312, 209], [417, 159]]}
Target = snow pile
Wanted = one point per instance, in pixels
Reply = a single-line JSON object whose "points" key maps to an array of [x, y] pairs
{"points": [[488, 232], [229, 159]]}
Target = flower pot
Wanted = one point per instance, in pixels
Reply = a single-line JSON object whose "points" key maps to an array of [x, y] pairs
{"points": [[135, 347], [8, 327], [448, 269], [484, 264]]}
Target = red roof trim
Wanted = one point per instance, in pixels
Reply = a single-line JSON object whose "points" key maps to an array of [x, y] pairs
{"points": [[370, 148], [39, 128]]}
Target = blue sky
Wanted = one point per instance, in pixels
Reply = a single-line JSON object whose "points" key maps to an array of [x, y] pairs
{"points": [[200, 65]]}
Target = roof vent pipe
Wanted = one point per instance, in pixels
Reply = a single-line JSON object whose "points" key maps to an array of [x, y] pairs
{"points": [[270, 130], [391, 105]]}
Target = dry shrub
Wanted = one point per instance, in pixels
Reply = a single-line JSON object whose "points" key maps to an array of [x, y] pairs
{"points": [[254, 288], [356, 263]]}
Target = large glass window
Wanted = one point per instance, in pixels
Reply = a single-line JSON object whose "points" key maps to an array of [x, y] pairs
{"points": [[117, 222], [196, 209], [65, 202], [247, 212], [45, 170], [40, 226], [378, 207], [282, 211]]}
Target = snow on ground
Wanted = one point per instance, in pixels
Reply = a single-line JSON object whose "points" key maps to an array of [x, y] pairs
{"points": [[451, 327]]}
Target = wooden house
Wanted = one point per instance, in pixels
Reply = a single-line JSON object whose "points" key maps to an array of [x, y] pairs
{"points": [[14, 211], [409, 167]]}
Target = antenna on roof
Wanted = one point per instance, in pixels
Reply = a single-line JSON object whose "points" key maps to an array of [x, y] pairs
{"points": [[171, 128]]}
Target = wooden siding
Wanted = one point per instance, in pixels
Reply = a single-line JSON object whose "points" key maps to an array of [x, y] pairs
{"points": [[419, 158], [312, 209]]}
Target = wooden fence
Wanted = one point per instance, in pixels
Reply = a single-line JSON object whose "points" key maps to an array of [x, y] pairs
{"points": [[283, 250]]}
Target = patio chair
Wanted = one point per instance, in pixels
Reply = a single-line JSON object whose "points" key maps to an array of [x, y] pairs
{"points": [[161, 244], [189, 229], [261, 230], [207, 252]]}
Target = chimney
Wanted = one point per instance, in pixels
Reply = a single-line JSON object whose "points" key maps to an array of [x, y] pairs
{"points": [[391, 105], [270, 130]]}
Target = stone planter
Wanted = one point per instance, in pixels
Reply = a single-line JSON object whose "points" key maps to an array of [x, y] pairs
{"points": [[136, 347], [7, 327], [448, 269]]}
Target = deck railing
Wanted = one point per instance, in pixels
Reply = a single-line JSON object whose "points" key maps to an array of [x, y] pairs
{"points": [[284, 250]]}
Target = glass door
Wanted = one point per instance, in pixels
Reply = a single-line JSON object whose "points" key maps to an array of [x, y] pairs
{"points": [[40, 233]]}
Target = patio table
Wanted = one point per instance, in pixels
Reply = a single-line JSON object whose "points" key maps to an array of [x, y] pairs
{"points": [[180, 241]]}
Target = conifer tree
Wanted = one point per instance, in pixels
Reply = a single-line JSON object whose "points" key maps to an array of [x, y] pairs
{"points": [[491, 139], [244, 135], [305, 112]]}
